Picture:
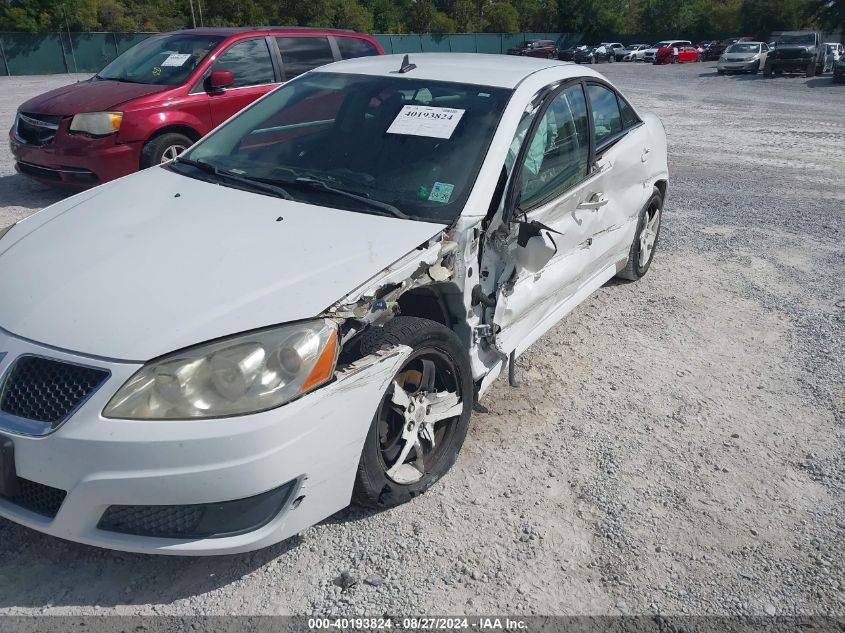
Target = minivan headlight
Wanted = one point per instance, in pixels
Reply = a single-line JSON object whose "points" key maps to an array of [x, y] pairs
{"points": [[239, 375], [96, 123]]}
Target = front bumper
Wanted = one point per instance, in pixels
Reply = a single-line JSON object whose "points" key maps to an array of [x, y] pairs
{"points": [[793, 65], [74, 161], [313, 444], [729, 66]]}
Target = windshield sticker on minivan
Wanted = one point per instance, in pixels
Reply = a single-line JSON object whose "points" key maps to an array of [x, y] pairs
{"points": [[415, 120], [441, 192], [176, 59]]}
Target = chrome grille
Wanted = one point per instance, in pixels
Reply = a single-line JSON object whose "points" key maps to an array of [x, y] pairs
{"points": [[47, 391], [36, 129]]}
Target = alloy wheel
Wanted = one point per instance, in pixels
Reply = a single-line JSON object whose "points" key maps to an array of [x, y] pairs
{"points": [[171, 151], [416, 418], [648, 235]]}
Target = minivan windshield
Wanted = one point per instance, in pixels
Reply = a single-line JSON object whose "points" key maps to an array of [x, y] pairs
{"points": [[743, 48], [161, 59], [390, 145]]}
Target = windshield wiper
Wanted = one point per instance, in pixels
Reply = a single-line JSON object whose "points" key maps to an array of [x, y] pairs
{"points": [[249, 183], [384, 207]]}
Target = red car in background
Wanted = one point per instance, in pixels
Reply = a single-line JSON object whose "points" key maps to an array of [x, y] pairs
{"points": [[669, 55], [161, 96]]}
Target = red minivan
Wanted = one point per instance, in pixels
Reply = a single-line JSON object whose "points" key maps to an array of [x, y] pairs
{"points": [[161, 96]]}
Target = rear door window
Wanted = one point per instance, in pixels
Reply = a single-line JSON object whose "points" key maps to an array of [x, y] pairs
{"points": [[354, 47], [607, 121], [249, 61], [301, 54]]}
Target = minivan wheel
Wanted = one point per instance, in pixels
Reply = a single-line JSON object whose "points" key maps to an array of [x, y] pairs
{"points": [[645, 239], [164, 148], [422, 419]]}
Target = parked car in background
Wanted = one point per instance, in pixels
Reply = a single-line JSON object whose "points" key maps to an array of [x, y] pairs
{"points": [[714, 50], [633, 52], [839, 70], [796, 52], [594, 55], [651, 53], [743, 57], [614, 48], [833, 53], [680, 55], [568, 54], [210, 356], [535, 48], [159, 97]]}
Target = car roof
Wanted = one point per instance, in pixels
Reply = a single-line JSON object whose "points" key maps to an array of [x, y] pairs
{"points": [[502, 71], [228, 31]]}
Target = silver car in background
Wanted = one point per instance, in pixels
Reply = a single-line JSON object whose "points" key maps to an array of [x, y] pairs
{"points": [[633, 53], [743, 57]]}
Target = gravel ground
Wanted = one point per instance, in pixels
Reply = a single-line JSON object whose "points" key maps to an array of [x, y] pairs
{"points": [[676, 445]]}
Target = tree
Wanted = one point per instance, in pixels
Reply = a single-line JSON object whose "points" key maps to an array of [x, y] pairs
{"points": [[501, 18], [830, 15]]}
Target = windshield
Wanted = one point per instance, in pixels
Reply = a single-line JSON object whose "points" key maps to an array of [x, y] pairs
{"points": [[411, 144], [161, 59], [743, 48], [803, 39]]}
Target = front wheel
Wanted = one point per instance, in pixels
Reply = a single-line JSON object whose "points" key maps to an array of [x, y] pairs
{"points": [[422, 419], [164, 148], [811, 69], [767, 70], [645, 239]]}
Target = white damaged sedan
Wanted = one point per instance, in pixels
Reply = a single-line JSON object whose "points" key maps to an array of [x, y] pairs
{"points": [[303, 309]]}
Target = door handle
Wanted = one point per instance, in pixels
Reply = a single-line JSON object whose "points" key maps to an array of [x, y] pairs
{"points": [[594, 203], [646, 152]]}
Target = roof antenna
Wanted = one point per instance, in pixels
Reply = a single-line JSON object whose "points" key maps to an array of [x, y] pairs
{"points": [[407, 66]]}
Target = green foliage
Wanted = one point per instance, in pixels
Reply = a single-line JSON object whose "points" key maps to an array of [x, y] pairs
{"points": [[600, 19]]}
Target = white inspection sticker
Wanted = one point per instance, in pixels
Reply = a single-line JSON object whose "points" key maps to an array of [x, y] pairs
{"points": [[176, 59], [415, 120]]}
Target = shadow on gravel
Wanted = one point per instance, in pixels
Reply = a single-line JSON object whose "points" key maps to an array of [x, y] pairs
{"points": [[19, 191], [823, 82], [45, 571]]}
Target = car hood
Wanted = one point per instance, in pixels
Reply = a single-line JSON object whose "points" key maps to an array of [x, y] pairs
{"points": [[157, 261], [88, 96]]}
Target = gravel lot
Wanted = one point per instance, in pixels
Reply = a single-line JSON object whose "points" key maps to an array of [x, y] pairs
{"points": [[676, 445]]}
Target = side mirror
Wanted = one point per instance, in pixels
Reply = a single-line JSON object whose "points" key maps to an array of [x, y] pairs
{"points": [[535, 246], [220, 79]]}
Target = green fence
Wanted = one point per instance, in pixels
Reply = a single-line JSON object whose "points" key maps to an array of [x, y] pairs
{"points": [[50, 53]]}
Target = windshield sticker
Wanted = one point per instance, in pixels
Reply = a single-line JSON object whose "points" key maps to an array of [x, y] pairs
{"points": [[414, 120], [176, 59], [441, 192]]}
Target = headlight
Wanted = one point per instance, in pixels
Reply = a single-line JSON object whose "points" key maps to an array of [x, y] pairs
{"points": [[5, 230], [239, 375], [97, 123]]}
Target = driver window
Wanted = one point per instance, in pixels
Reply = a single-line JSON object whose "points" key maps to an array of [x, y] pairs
{"points": [[558, 153], [249, 61]]}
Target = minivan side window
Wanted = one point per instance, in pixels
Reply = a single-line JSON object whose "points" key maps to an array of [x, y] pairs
{"points": [[354, 47], [606, 119], [249, 61], [301, 54], [557, 156]]}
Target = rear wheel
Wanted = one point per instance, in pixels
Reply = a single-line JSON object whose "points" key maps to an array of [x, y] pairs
{"points": [[164, 148], [422, 420], [645, 239]]}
